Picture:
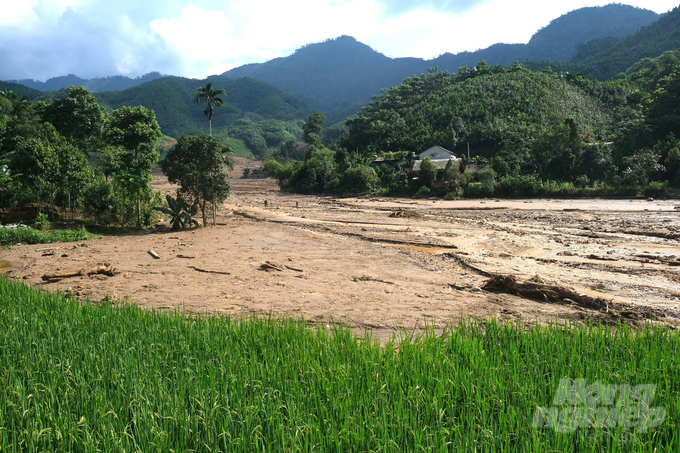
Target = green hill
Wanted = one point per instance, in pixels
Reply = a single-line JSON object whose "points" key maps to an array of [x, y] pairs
{"points": [[20, 90], [261, 115], [651, 41], [339, 76]]}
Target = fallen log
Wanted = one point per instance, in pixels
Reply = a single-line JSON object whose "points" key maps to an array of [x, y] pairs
{"points": [[548, 292], [198, 269], [368, 278], [294, 269], [101, 270]]}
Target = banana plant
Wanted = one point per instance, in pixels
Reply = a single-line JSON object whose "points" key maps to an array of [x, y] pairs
{"points": [[180, 213]]}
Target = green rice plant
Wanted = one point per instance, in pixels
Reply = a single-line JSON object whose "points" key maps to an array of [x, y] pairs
{"points": [[98, 377]]}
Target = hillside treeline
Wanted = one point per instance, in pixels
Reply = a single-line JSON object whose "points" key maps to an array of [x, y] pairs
{"points": [[69, 156], [528, 132]]}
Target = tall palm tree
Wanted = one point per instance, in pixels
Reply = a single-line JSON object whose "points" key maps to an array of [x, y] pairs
{"points": [[206, 95]]}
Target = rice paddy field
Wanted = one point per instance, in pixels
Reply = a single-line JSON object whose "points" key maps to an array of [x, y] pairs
{"points": [[85, 377]]}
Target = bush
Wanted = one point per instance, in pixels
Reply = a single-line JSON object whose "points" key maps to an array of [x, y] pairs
{"points": [[41, 223], [515, 186], [423, 191], [451, 196], [427, 173], [657, 189], [11, 236], [361, 179]]}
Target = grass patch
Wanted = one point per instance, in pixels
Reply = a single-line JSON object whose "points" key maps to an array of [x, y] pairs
{"points": [[12, 236], [89, 377]]}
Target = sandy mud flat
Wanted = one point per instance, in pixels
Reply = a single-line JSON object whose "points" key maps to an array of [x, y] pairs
{"points": [[386, 264]]}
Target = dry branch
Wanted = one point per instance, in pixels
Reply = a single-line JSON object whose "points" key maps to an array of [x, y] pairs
{"points": [[101, 270], [368, 278], [208, 272], [154, 254], [269, 266]]}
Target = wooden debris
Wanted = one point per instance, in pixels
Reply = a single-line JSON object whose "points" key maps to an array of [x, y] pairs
{"points": [[189, 257], [368, 278], [50, 253], [44, 249], [294, 269], [208, 271], [106, 269], [154, 254], [538, 290], [404, 213], [269, 266]]}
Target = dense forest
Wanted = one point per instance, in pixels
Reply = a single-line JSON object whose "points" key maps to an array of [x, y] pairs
{"points": [[529, 133], [339, 76]]}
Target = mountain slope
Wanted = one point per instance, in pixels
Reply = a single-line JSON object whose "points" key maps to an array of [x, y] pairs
{"points": [[338, 76], [650, 42], [113, 83], [172, 98]]}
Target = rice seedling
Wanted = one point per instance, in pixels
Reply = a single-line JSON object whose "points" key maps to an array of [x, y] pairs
{"points": [[88, 377], [12, 236]]}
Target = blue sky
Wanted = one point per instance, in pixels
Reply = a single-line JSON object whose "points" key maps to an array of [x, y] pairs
{"points": [[40, 39]]}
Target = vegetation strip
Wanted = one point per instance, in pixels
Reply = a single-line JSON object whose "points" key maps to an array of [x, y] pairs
{"points": [[111, 378]]}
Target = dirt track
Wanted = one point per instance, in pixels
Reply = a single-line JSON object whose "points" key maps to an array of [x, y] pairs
{"points": [[386, 264]]}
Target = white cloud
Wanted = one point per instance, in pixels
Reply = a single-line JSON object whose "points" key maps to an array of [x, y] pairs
{"points": [[46, 38]]}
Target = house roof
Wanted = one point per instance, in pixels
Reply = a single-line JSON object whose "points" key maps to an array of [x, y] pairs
{"points": [[439, 150]]}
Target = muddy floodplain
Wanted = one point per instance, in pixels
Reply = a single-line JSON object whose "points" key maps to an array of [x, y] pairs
{"points": [[387, 264]]}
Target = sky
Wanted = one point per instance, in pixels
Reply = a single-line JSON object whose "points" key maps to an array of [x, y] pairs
{"points": [[40, 39]]}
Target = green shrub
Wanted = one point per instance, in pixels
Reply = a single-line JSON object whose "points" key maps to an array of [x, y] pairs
{"points": [[11, 236], [657, 189], [451, 196], [423, 191], [41, 223], [360, 179]]}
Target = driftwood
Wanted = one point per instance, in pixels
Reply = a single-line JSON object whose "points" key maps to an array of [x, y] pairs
{"points": [[207, 271], [294, 269], [101, 270], [189, 257], [154, 254], [269, 266], [368, 278], [44, 249], [535, 289]]}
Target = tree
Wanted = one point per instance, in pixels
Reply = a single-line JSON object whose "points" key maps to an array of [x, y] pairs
{"points": [[427, 173], [77, 117], [197, 164], [206, 95], [312, 129], [136, 131]]}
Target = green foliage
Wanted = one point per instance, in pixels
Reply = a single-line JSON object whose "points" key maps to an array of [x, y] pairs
{"points": [[180, 213], [312, 129], [116, 376], [423, 191], [135, 130], [78, 117], [12, 236], [427, 173], [197, 163], [206, 95], [41, 223], [360, 179]]}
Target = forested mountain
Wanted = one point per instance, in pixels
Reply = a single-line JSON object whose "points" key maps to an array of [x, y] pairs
{"points": [[113, 83], [338, 76], [651, 41], [260, 115], [20, 90]]}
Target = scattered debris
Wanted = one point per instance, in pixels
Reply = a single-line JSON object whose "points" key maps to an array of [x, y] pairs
{"points": [[208, 271], [368, 278], [404, 214], [269, 266], [50, 253], [44, 249], [154, 254], [536, 289], [106, 269], [293, 269], [189, 257]]}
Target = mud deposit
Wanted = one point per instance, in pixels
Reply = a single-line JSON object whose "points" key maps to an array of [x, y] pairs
{"points": [[384, 263]]}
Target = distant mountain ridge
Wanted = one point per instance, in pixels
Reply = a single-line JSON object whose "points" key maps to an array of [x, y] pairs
{"points": [[112, 83]]}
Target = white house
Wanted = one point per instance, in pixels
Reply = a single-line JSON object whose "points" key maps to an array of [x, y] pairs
{"points": [[437, 153]]}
